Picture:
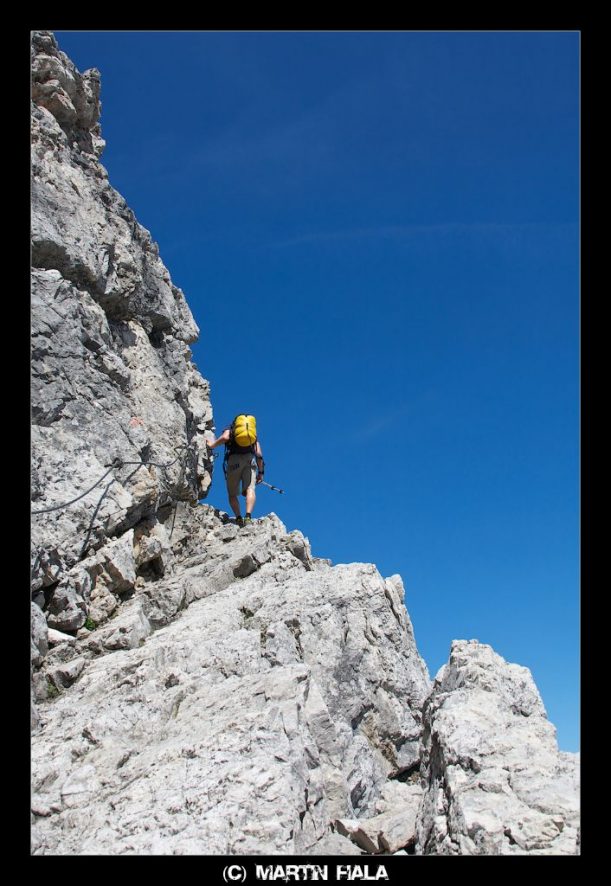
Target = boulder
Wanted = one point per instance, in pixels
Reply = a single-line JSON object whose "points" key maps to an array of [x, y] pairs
{"points": [[496, 783]]}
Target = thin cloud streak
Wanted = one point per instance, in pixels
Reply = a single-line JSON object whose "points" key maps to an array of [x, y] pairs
{"points": [[415, 229]]}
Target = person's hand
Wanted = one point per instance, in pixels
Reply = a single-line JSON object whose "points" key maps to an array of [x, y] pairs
{"points": [[259, 478]]}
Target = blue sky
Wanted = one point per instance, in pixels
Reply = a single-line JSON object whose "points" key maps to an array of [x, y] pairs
{"points": [[378, 235]]}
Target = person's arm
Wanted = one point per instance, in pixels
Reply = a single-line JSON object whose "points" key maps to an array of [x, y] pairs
{"points": [[224, 438], [260, 462]]}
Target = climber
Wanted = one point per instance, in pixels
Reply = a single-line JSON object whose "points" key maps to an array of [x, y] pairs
{"points": [[242, 452]]}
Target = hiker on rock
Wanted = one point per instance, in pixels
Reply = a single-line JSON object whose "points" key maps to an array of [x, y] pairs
{"points": [[243, 463]]}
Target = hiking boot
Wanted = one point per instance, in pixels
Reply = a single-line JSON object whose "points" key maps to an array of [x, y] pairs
{"points": [[247, 520], [239, 521]]}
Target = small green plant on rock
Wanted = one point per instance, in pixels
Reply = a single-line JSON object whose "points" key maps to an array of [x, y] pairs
{"points": [[90, 624]]}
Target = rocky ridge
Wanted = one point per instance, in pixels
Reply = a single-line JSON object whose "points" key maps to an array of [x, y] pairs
{"points": [[118, 407], [496, 783], [249, 700], [204, 689]]}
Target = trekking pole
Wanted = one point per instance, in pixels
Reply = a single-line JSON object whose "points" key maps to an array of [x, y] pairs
{"points": [[275, 488]]}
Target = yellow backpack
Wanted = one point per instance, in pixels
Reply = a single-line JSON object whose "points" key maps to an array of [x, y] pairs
{"points": [[244, 430]]}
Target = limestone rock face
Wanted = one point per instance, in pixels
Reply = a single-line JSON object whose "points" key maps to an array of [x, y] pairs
{"points": [[495, 782], [258, 697], [118, 407]]}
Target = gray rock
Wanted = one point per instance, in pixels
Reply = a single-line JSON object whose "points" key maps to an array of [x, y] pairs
{"points": [[335, 844], [396, 796], [101, 604], [391, 830], [34, 715], [67, 610], [113, 381], [64, 675], [118, 567], [128, 630], [39, 691], [152, 547], [359, 833], [269, 736], [40, 642], [495, 781], [56, 637]]}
